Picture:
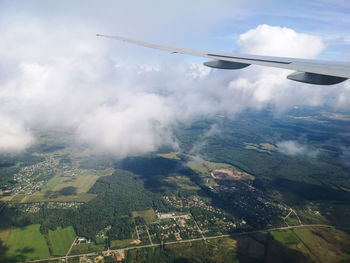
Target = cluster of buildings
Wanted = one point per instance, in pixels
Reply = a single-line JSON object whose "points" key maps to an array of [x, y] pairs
{"points": [[27, 177], [30, 207], [172, 227], [251, 203], [63, 205], [186, 203], [36, 206]]}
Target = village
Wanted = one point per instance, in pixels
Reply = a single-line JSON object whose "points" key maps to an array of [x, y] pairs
{"points": [[31, 179], [259, 209]]}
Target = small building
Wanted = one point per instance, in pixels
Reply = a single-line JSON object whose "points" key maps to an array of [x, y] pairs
{"points": [[164, 216]]}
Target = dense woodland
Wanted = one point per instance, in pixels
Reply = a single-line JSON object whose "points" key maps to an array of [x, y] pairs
{"points": [[118, 195]]}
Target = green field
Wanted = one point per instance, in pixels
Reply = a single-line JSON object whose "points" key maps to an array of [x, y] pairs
{"points": [[61, 240], [148, 215], [86, 248], [17, 198], [51, 184], [182, 182], [26, 243], [122, 243], [285, 237], [82, 182]]}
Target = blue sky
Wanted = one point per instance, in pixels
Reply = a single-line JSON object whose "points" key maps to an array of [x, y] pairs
{"points": [[202, 24]]}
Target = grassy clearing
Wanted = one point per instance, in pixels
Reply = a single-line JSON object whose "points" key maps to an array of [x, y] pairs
{"points": [[262, 147], [61, 240], [5, 198], [148, 215], [121, 243], [171, 155], [26, 243], [182, 182], [292, 220], [17, 198], [5, 232], [84, 180], [318, 244], [52, 183], [86, 248], [285, 237], [81, 182]]}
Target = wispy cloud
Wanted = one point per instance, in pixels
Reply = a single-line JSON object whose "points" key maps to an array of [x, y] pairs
{"points": [[294, 148]]}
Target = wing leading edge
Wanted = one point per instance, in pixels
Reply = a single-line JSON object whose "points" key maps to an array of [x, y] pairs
{"points": [[320, 72]]}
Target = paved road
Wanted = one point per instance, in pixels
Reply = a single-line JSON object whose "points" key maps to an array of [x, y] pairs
{"points": [[191, 240]]}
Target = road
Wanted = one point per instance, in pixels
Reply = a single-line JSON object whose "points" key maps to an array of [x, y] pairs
{"points": [[187, 241], [149, 236], [70, 248], [199, 230]]}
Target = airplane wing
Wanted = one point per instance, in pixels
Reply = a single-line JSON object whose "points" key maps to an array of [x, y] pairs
{"points": [[320, 72]]}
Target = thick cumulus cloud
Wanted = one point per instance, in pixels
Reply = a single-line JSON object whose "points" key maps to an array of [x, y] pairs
{"points": [[138, 124], [279, 41], [264, 86], [69, 78]]}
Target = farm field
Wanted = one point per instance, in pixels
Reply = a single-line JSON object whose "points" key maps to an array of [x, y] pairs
{"points": [[26, 243], [286, 237], [319, 244], [148, 215], [81, 182], [61, 240]]}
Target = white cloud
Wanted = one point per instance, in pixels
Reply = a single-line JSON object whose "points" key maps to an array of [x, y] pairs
{"points": [[261, 86], [52, 76], [140, 123], [279, 41], [293, 148], [14, 137], [203, 140]]}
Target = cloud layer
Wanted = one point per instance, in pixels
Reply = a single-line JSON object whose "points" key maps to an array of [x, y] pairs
{"points": [[54, 77], [14, 137]]}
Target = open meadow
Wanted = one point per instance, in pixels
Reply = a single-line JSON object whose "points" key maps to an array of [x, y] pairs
{"points": [[148, 215], [26, 243], [61, 239]]}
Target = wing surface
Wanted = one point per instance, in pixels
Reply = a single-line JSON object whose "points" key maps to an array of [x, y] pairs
{"points": [[320, 72]]}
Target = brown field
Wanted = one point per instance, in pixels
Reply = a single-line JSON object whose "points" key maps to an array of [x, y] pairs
{"points": [[225, 174]]}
